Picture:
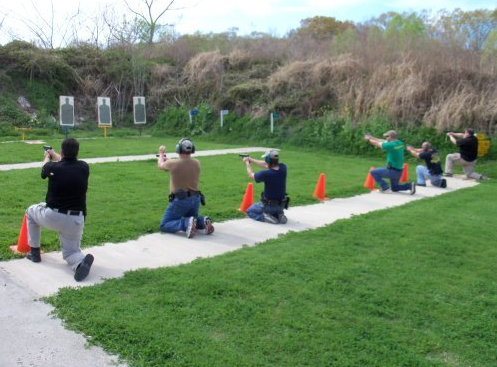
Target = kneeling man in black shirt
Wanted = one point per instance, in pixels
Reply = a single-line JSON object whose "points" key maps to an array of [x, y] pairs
{"points": [[433, 170], [65, 208], [468, 152]]}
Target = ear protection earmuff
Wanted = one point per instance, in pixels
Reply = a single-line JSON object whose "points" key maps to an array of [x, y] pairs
{"points": [[184, 147], [274, 159]]}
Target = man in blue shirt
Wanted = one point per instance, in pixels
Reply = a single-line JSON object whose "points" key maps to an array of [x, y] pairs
{"points": [[273, 199]]}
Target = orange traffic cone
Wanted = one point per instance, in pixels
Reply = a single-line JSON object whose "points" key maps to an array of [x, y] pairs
{"points": [[248, 198], [319, 191], [403, 178], [369, 183], [22, 242]]}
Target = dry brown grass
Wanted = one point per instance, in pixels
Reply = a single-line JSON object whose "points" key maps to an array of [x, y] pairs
{"points": [[239, 59], [462, 106], [408, 92], [203, 76], [204, 69], [424, 83]]}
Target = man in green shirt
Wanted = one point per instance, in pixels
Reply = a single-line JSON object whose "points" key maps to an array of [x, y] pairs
{"points": [[395, 163]]}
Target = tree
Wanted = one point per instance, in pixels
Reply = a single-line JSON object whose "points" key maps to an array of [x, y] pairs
{"points": [[489, 55], [468, 30], [148, 24], [405, 28], [322, 28], [48, 32]]}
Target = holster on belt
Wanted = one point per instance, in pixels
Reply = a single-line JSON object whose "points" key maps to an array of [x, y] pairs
{"points": [[183, 194], [285, 202]]}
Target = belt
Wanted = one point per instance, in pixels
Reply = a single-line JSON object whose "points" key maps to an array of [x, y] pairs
{"points": [[273, 202], [185, 193], [396, 169], [69, 212]]}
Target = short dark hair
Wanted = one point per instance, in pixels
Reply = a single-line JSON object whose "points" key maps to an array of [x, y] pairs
{"points": [[274, 162], [470, 131], [70, 148]]}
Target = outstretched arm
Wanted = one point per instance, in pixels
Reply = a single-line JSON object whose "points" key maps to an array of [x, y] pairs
{"points": [[260, 163], [414, 151], [374, 141], [452, 136]]}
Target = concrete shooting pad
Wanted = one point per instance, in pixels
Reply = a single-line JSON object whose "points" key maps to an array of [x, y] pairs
{"points": [[155, 250], [32, 338]]}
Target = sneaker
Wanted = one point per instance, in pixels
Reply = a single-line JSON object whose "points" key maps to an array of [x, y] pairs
{"points": [[443, 185], [413, 188], [482, 177], [191, 229], [83, 268], [209, 228], [447, 174], [34, 255], [282, 219], [418, 184], [384, 191], [268, 218]]}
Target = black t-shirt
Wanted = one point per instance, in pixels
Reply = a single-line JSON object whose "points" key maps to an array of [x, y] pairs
{"points": [[67, 184], [432, 159], [468, 148]]}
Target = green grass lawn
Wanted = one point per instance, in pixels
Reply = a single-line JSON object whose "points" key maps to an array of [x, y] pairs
{"points": [[409, 286], [21, 152], [413, 285]]}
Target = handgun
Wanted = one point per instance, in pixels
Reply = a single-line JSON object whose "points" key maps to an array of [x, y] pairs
{"points": [[243, 155], [47, 147]]}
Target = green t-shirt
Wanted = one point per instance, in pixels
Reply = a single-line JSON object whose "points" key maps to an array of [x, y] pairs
{"points": [[395, 153]]}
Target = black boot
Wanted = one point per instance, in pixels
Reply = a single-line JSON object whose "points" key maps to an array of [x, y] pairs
{"points": [[34, 255]]}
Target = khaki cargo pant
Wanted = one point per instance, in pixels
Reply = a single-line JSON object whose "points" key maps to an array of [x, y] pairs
{"points": [[468, 167], [69, 227]]}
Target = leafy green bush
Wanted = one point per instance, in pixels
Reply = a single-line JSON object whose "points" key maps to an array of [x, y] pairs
{"points": [[6, 130], [176, 121], [172, 121], [44, 96], [27, 61], [9, 113], [330, 132], [6, 82]]}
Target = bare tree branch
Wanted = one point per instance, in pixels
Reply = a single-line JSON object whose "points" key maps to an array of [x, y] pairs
{"points": [[151, 21]]}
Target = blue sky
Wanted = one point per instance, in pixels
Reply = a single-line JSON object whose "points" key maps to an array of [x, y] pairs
{"points": [[280, 16], [276, 17]]}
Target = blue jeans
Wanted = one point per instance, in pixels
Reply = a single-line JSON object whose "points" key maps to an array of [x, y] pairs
{"points": [[177, 213], [394, 175], [256, 211], [423, 174]]}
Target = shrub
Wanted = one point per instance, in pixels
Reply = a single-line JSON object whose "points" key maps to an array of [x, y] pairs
{"points": [[176, 121], [10, 113]]}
